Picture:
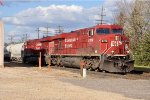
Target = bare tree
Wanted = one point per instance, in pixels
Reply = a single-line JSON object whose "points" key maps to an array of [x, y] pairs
{"points": [[135, 18]]}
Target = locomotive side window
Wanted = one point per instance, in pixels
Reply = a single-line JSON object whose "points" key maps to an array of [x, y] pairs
{"points": [[117, 31], [103, 31], [91, 32]]}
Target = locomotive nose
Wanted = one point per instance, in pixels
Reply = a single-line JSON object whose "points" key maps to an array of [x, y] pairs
{"points": [[120, 45]]}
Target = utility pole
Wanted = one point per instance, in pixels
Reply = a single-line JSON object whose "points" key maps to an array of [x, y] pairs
{"points": [[101, 16], [47, 31], [25, 37], [11, 38], [38, 31], [59, 30]]}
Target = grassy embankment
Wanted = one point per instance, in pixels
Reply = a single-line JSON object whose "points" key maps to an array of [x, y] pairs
{"points": [[142, 68]]}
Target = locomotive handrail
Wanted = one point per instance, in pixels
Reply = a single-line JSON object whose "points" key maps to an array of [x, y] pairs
{"points": [[105, 48], [76, 54]]}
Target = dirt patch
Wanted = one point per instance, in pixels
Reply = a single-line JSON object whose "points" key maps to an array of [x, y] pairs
{"points": [[30, 83]]}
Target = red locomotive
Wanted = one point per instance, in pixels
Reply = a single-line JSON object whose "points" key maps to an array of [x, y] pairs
{"points": [[102, 47]]}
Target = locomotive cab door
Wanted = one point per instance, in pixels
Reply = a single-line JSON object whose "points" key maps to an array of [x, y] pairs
{"points": [[91, 32]]}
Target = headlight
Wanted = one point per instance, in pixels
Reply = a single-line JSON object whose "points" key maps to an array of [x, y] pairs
{"points": [[112, 52], [104, 41], [126, 47], [128, 51], [116, 38]]}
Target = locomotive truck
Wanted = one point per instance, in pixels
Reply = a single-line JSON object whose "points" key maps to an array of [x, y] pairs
{"points": [[101, 47]]}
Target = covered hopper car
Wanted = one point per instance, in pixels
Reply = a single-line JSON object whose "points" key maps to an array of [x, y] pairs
{"points": [[101, 47]]}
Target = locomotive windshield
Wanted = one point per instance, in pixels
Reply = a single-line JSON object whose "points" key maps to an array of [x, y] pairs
{"points": [[103, 31], [117, 31]]}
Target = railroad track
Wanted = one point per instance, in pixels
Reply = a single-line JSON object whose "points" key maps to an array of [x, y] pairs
{"points": [[134, 75]]}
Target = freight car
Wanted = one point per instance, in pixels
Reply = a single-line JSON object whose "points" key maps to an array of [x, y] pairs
{"points": [[6, 54], [15, 51], [101, 47], [32, 48]]}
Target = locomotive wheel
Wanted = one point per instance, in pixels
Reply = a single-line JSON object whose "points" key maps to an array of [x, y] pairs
{"points": [[54, 62], [88, 64], [91, 69], [97, 69]]}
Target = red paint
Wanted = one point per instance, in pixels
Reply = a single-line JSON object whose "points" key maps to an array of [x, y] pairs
{"points": [[80, 42]]}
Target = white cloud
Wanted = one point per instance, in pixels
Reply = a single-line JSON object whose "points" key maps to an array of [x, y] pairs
{"points": [[52, 15], [70, 17]]}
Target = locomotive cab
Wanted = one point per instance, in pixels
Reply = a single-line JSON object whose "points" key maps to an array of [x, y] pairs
{"points": [[112, 40], [114, 49]]}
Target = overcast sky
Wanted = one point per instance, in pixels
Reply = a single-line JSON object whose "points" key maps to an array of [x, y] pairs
{"points": [[24, 16]]}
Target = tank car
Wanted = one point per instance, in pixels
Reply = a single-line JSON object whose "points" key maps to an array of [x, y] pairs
{"points": [[101, 47], [6, 54], [15, 51]]}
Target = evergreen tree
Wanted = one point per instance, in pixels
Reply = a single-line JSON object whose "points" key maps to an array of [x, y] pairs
{"points": [[142, 54]]}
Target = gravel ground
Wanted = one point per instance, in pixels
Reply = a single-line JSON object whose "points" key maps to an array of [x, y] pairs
{"points": [[135, 85], [138, 89], [24, 82]]}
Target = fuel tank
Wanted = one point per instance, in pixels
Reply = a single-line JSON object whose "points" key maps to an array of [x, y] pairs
{"points": [[71, 61]]}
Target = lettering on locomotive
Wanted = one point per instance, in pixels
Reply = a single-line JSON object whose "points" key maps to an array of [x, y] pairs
{"points": [[71, 40], [116, 43], [68, 45]]}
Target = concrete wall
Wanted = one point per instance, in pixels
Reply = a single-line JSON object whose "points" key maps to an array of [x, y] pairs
{"points": [[1, 44]]}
